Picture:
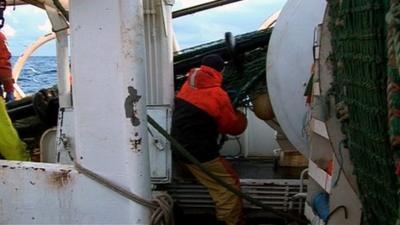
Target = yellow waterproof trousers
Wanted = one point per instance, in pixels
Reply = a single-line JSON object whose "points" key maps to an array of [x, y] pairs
{"points": [[11, 147], [228, 206]]}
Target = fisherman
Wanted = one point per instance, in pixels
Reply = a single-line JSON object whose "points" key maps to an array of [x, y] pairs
{"points": [[6, 79], [202, 111], [11, 146]]}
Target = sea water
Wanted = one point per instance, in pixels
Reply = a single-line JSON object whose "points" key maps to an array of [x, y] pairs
{"points": [[38, 72]]}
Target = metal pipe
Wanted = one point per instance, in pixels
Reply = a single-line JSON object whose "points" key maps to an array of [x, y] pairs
{"points": [[201, 7], [301, 188], [149, 19], [64, 84], [60, 27], [166, 47], [158, 28]]}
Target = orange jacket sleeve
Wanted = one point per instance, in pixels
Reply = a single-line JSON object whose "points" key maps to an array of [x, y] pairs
{"points": [[5, 65], [228, 119]]}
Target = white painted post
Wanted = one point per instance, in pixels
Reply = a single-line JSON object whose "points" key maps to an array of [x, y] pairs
{"points": [[64, 83], [108, 67], [60, 27]]}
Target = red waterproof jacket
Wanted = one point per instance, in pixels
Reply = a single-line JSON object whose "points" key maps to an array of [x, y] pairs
{"points": [[5, 66], [202, 110]]}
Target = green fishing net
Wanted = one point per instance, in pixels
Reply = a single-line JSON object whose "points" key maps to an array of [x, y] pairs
{"points": [[359, 60], [393, 89]]}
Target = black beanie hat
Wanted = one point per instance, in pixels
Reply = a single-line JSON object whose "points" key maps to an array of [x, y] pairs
{"points": [[214, 61]]}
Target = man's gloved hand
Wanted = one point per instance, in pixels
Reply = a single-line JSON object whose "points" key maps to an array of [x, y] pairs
{"points": [[240, 125], [10, 96]]}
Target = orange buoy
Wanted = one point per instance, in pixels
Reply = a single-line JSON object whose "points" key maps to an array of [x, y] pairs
{"points": [[240, 125], [262, 107]]}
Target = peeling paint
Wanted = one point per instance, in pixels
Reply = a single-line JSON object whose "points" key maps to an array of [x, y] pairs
{"points": [[60, 178], [136, 144], [131, 106], [22, 167]]}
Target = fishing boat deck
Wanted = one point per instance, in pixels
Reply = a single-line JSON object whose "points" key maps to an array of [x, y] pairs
{"points": [[261, 178]]}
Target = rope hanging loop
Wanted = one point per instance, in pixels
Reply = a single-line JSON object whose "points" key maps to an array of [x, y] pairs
{"points": [[161, 206]]}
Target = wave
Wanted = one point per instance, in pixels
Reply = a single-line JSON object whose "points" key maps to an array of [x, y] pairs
{"points": [[39, 72]]}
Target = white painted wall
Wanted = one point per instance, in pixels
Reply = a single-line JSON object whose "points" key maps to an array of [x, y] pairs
{"points": [[40, 193]]}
